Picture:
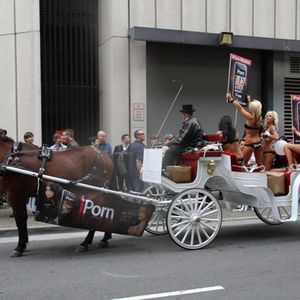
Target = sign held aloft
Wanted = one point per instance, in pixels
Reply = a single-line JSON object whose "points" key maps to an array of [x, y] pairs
{"points": [[238, 78]]}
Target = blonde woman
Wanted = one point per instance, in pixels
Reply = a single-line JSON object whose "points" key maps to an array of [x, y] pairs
{"points": [[253, 127], [269, 135]]}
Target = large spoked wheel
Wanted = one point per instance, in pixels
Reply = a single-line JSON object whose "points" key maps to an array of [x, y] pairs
{"points": [[157, 224], [265, 214], [194, 219]]}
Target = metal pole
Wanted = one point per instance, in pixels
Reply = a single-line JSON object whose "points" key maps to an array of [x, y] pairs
{"points": [[82, 185], [235, 118]]}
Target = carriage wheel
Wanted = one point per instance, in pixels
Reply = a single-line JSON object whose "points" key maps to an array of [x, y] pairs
{"points": [[157, 224], [194, 219], [265, 214]]}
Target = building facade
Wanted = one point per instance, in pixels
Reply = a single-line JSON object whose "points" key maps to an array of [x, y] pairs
{"points": [[146, 50]]}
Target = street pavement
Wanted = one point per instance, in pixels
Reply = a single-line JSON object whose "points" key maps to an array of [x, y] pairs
{"points": [[244, 262]]}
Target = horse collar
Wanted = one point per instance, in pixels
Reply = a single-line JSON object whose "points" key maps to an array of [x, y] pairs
{"points": [[13, 157]]}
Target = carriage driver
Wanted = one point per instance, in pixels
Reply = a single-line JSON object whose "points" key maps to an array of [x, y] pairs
{"points": [[190, 135]]}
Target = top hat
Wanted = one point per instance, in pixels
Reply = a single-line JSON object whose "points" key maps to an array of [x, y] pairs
{"points": [[187, 108]]}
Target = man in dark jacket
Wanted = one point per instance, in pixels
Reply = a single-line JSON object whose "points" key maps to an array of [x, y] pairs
{"points": [[135, 161], [190, 135], [68, 139]]}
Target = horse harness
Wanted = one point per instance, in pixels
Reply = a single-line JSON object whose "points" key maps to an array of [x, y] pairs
{"points": [[99, 157]]}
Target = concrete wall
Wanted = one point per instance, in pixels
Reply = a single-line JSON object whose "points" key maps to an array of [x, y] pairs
{"points": [[122, 62], [204, 85], [265, 18], [20, 85], [124, 84]]}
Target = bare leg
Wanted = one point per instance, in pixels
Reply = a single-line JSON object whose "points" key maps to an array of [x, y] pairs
{"points": [[289, 149], [259, 156], [268, 160], [247, 152]]}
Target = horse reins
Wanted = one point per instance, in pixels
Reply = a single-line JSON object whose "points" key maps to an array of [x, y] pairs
{"points": [[15, 152]]}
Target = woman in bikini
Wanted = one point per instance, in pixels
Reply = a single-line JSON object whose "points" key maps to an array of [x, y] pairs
{"points": [[290, 151], [253, 127], [230, 139], [269, 135]]}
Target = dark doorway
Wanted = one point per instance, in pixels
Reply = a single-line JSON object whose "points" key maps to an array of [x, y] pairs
{"points": [[69, 67]]}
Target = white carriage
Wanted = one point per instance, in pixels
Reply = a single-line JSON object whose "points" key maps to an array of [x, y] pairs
{"points": [[191, 213]]}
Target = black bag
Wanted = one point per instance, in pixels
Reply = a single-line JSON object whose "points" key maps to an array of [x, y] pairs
{"points": [[122, 163]]}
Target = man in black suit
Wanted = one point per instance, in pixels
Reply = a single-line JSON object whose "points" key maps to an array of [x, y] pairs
{"points": [[122, 180]]}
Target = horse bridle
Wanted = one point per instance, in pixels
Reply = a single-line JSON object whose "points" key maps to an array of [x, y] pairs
{"points": [[14, 153]]}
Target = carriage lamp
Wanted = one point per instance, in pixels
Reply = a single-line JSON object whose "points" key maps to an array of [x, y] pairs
{"points": [[211, 166], [226, 38]]}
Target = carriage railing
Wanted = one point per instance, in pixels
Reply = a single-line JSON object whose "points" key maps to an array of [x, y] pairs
{"points": [[134, 195]]}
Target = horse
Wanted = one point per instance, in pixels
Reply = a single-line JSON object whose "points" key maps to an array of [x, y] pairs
{"points": [[72, 164]]}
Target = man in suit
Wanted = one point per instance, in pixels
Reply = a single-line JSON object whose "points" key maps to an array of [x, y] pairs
{"points": [[122, 180]]}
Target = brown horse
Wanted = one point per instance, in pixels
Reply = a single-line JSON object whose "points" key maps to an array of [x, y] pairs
{"points": [[73, 164]]}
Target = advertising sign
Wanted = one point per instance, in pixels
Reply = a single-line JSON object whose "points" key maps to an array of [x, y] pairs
{"points": [[238, 78], [295, 100], [93, 210]]}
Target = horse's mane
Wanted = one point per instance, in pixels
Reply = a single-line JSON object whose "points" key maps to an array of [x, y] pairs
{"points": [[4, 138]]}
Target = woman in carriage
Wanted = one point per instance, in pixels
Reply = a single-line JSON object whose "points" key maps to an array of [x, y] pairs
{"points": [[269, 135], [253, 128], [230, 138]]}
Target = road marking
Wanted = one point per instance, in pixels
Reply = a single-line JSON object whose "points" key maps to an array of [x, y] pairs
{"points": [[119, 275], [176, 293], [45, 237]]}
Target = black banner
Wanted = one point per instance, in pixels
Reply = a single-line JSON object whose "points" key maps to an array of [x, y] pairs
{"points": [[93, 210]]}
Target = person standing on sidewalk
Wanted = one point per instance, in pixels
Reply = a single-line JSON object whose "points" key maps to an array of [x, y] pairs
{"points": [[135, 161], [120, 155], [103, 145], [68, 138]]}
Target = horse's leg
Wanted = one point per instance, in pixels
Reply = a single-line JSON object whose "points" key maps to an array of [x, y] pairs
{"points": [[83, 247], [20, 214], [104, 242]]}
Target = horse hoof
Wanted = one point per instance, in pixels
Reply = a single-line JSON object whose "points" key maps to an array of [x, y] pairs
{"points": [[16, 253], [81, 249]]}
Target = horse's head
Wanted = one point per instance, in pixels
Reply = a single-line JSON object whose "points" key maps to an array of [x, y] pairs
{"points": [[6, 144]]}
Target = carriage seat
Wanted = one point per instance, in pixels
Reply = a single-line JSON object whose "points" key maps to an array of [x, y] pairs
{"points": [[212, 137], [191, 156]]}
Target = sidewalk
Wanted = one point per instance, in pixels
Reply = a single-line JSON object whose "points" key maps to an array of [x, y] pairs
{"points": [[8, 224]]}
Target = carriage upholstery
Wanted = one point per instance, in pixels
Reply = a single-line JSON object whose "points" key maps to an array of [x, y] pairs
{"points": [[191, 158]]}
